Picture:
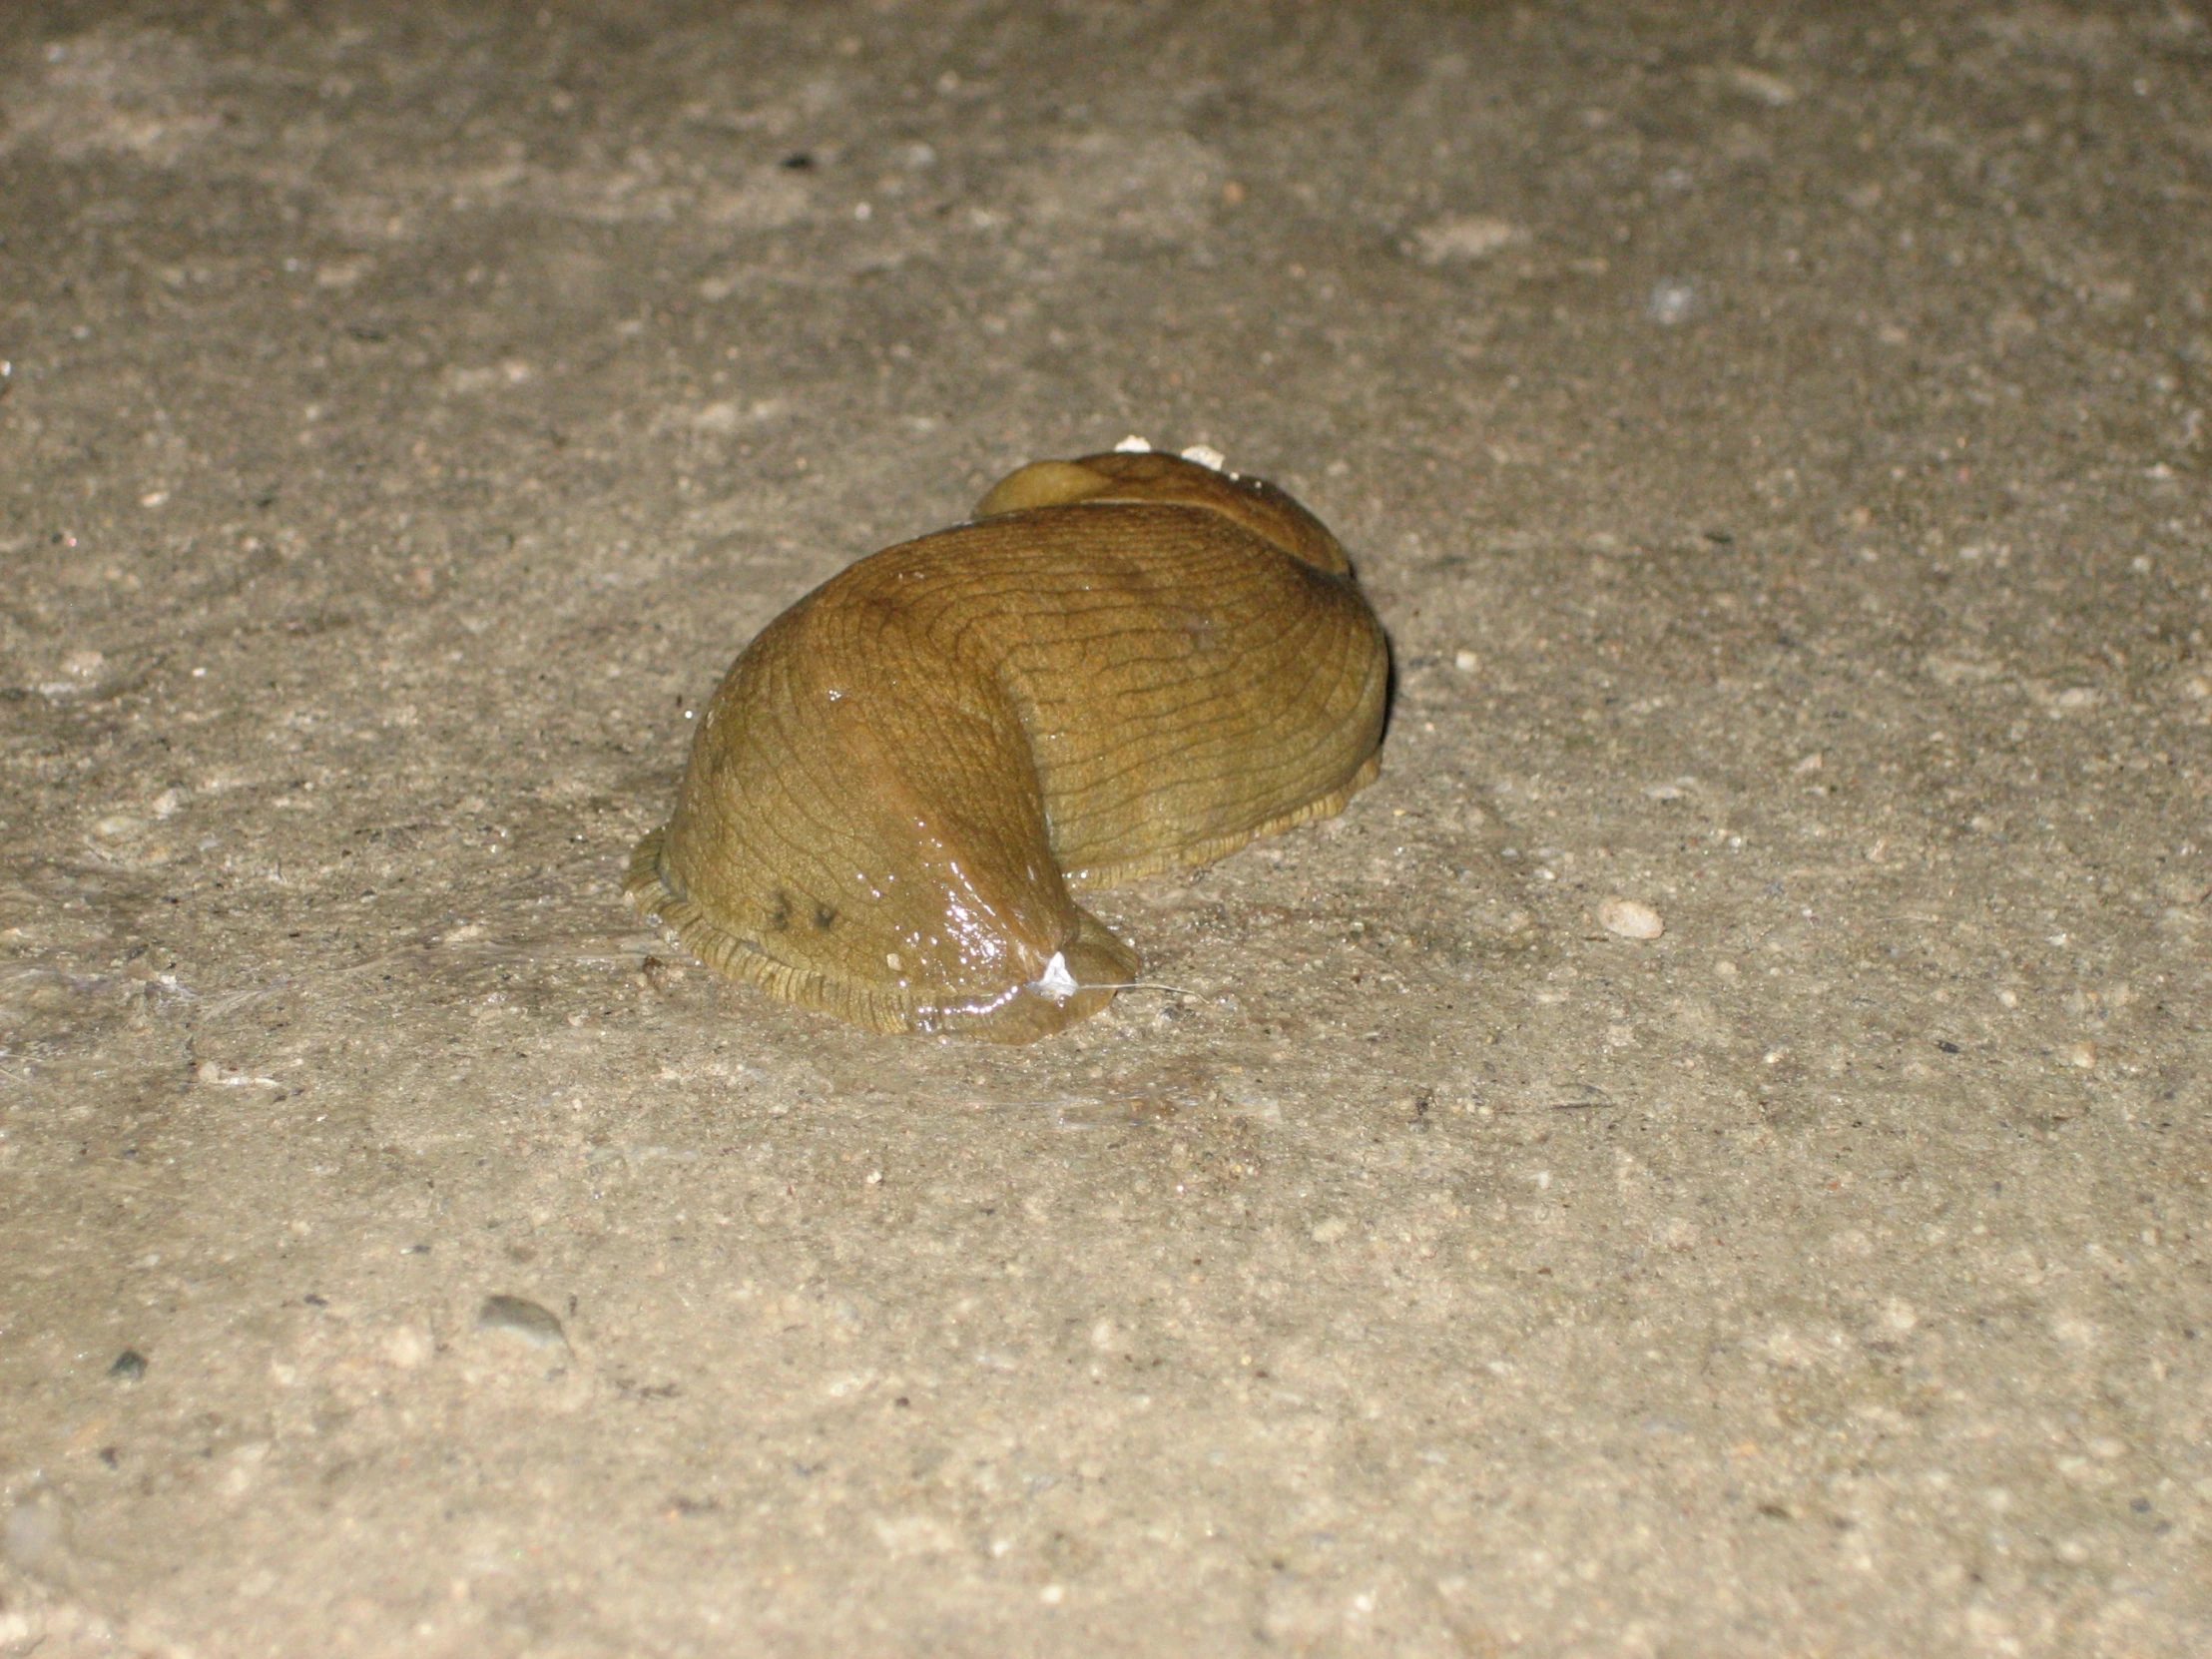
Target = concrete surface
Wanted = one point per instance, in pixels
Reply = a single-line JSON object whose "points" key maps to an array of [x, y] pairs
{"points": [[1775, 437]]}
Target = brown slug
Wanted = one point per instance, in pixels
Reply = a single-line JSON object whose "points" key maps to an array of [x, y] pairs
{"points": [[1122, 665]]}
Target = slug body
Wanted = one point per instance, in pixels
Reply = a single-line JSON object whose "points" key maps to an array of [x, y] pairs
{"points": [[1125, 664]]}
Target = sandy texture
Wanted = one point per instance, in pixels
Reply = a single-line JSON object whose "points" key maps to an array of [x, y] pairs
{"points": [[1775, 437]]}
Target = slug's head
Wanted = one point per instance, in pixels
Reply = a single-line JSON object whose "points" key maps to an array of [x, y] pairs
{"points": [[1266, 511]]}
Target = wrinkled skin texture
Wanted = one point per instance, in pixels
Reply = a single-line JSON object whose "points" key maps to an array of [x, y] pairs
{"points": [[1126, 664]]}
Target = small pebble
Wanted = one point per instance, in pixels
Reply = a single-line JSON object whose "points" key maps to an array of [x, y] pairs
{"points": [[2082, 1054], [1466, 662], [1465, 241], [30, 1537], [534, 1324], [1629, 918], [2182, 887], [1757, 85], [129, 1366], [1670, 304]]}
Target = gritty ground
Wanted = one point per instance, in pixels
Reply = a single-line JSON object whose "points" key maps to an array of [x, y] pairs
{"points": [[1774, 438]]}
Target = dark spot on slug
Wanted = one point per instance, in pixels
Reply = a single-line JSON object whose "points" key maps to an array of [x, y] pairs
{"points": [[779, 910], [824, 917]]}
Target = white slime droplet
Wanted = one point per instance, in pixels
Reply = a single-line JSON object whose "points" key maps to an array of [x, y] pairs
{"points": [[1056, 983]]}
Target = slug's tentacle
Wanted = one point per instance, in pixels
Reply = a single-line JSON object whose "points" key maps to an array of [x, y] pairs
{"points": [[902, 776]]}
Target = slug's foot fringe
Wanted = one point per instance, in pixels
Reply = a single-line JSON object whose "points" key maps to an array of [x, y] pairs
{"points": [[1093, 959], [1220, 847]]}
